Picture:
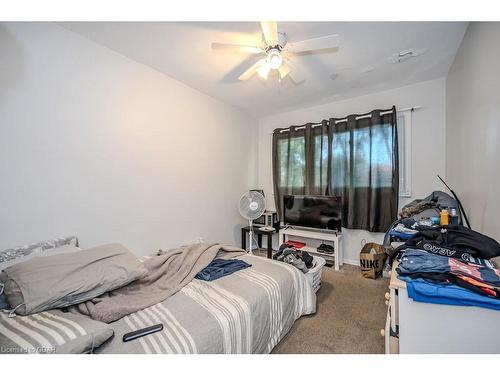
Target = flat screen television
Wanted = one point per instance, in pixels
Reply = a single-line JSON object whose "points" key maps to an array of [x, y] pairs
{"points": [[314, 211]]}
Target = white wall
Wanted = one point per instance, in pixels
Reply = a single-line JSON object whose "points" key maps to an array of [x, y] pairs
{"points": [[473, 126], [428, 141], [97, 145]]}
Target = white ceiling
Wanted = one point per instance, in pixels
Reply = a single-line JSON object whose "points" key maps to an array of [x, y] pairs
{"points": [[182, 50]]}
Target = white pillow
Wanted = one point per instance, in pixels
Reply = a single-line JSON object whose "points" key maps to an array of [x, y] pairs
{"points": [[38, 252], [20, 251]]}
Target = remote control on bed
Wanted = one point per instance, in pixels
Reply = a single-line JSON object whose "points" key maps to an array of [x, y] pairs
{"points": [[142, 332]]}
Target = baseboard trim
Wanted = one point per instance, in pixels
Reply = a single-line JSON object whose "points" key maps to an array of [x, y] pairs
{"points": [[352, 262]]}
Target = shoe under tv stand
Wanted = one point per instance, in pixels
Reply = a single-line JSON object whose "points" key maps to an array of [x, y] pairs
{"points": [[317, 234]]}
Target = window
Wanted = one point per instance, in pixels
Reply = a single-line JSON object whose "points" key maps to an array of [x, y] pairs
{"points": [[372, 144], [320, 161], [292, 161], [372, 153], [404, 144], [292, 156]]}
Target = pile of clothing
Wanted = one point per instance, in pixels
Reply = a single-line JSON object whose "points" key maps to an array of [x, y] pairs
{"points": [[429, 206], [404, 230], [415, 216], [451, 265], [438, 279], [298, 258]]}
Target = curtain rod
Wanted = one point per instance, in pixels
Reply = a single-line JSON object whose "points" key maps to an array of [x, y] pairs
{"points": [[357, 118]]}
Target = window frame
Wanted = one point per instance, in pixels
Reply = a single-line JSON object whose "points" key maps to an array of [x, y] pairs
{"points": [[405, 149]]}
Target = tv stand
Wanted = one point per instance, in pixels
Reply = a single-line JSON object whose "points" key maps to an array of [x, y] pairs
{"points": [[333, 237]]}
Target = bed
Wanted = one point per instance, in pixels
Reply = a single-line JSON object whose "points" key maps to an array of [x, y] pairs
{"points": [[249, 311]]}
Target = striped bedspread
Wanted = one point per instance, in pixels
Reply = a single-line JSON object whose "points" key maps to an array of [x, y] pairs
{"points": [[51, 332], [247, 312]]}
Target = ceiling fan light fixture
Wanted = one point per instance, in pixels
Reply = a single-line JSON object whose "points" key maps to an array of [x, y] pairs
{"points": [[274, 59]]}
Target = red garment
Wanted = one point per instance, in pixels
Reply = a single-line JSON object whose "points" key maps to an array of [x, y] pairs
{"points": [[484, 287]]}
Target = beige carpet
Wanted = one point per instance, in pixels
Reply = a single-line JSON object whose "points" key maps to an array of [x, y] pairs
{"points": [[350, 313]]}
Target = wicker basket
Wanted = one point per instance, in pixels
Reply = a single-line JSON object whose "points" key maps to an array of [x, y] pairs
{"points": [[314, 274]]}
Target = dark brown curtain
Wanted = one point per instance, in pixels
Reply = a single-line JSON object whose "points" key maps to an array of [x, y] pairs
{"points": [[356, 159], [365, 169], [300, 161]]}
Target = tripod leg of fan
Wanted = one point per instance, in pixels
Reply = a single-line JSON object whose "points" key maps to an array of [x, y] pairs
{"points": [[251, 237], [249, 246]]}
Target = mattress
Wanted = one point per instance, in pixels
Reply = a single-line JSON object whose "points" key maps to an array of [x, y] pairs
{"points": [[249, 311]]}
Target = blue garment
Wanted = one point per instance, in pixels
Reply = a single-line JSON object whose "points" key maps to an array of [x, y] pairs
{"points": [[221, 267], [3, 302], [424, 291], [403, 232], [414, 260], [401, 235]]}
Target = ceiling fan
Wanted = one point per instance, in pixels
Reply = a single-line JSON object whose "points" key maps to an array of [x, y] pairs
{"points": [[276, 51]]}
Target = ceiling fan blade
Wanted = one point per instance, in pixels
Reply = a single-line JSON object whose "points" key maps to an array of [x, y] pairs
{"points": [[309, 45], [296, 77], [295, 74], [264, 70], [284, 70], [247, 74], [270, 31], [237, 48]]}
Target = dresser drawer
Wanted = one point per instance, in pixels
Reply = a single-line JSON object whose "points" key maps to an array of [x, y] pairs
{"points": [[391, 329]]}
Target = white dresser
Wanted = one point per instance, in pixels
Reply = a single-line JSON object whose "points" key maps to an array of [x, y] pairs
{"points": [[425, 328]]}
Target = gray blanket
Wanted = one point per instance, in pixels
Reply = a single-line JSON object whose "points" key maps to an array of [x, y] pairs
{"points": [[168, 273]]}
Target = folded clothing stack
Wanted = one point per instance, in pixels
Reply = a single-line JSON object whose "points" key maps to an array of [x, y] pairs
{"points": [[402, 232], [442, 279], [299, 259], [453, 241]]}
